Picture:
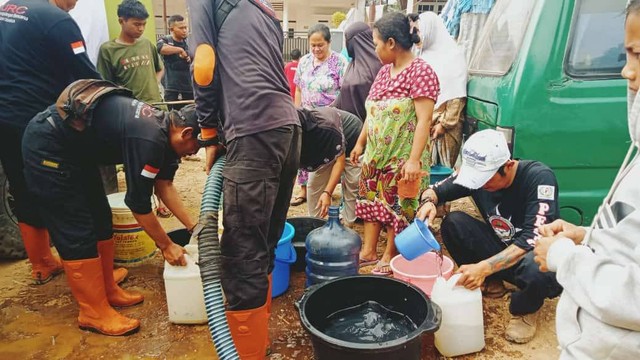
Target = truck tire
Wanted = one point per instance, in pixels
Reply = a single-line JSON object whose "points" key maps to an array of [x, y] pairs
{"points": [[11, 246]]}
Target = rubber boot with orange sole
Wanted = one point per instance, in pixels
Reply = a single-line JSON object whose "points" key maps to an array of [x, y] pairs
{"points": [[249, 331], [44, 265], [86, 280], [115, 294]]}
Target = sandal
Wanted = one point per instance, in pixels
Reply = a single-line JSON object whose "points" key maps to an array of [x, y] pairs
{"points": [[163, 212], [382, 268], [363, 262], [298, 200]]}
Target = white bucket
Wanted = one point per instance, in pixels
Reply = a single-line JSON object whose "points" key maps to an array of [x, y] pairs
{"points": [[183, 286], [132, 244]]}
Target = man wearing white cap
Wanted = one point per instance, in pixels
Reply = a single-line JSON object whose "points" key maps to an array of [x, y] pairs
{"points": [[515, 198]]}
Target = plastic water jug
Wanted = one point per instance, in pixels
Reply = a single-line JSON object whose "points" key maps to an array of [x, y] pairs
{"points": [[462, 328], [183, 286], [332, 251]]}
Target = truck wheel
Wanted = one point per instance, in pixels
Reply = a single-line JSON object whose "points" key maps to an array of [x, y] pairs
{"points": [[11, 246]]}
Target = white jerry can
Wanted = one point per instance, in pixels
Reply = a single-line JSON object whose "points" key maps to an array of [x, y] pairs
{"points": [[183, 286], [462, 328]]}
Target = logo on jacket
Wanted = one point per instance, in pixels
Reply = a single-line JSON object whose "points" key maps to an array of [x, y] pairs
{"points": [[503, 227]]}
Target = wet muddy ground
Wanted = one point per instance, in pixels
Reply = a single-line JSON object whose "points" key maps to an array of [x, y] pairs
{"points": [[39, 322]]}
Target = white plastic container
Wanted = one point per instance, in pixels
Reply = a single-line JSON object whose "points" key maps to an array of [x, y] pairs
{"points": [[462, 328], [183, 286]]}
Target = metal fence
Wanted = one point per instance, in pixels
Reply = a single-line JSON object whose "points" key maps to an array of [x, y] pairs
{"points": [[295, 40]]}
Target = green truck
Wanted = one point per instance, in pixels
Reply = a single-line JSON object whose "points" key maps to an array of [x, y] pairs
{"points": [[546, 73]]}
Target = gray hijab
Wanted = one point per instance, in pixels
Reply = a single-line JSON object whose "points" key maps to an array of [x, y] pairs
{"points": [[361, 72]]}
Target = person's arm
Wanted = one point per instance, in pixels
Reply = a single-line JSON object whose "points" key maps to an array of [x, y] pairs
{"points": [[170, 197], [104, 65], [358, 149], [171, 251], [334, 179], [424, 112], [473, 275], [206, 87], [68, 46], [298, 100], [603, 286]]}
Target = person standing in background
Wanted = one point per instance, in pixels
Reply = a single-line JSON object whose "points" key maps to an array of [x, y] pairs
{"points": [[42, 51], [446, 58], [131, 60], [176, 58], [318, 81], [290, 70]]}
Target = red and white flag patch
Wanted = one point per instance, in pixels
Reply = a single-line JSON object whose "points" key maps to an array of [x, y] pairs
{"points": [[78, 47], [149, 172]]}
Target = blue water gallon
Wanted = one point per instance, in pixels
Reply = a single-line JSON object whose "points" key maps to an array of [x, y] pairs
{"points": [[332, 251]]}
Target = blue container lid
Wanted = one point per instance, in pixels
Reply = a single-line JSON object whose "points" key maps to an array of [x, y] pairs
{"points": [[439, 170]]}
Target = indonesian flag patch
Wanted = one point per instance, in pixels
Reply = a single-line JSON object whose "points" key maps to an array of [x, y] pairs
{"points": [[149, 172], [78, 47]]}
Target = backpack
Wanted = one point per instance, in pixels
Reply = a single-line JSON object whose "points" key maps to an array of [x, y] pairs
{"points": [[76, 102]]}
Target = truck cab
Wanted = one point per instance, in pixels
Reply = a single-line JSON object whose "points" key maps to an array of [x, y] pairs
{"points": [[546, 73]]}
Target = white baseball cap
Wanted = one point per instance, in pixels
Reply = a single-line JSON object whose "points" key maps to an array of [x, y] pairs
{"points": [[482, 155]]}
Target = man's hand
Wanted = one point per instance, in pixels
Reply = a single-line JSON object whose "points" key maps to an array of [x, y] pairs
{"points": [[174, 254], [541, 250], [437, 131], [568, 230], [213, 153], [473, 275], [323, 204], [427, 212]]}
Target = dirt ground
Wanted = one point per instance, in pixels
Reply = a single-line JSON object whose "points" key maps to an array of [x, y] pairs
{"points": [[39, 322]]}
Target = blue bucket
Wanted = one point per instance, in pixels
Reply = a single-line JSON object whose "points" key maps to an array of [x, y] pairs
{"points": [[416, 240], [285, 256], [439, 173]]}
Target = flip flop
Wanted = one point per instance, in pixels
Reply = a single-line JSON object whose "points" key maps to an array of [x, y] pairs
{"points": [[363, 262], [298, 200], [163, 212], [382, 268]]}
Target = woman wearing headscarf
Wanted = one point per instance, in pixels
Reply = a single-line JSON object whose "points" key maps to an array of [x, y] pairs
{"points": [[361, 72], [440, 51], [318, 81]]}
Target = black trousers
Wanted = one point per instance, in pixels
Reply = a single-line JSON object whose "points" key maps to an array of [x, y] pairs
{"points": [[11, 158], [469, 241], [67, 191], [259, 177]]}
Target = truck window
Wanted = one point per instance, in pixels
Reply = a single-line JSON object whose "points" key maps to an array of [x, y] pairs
{"points": [[596, 47], [501, 37]]}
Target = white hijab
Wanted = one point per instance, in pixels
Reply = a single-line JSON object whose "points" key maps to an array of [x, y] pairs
{"points": [[445, 57]]}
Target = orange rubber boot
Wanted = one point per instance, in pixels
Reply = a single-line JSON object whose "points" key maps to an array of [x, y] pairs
{"points": [[268, 305], [87, 285], [249, 330], [119, 274], [44, 265], [115, 294]]}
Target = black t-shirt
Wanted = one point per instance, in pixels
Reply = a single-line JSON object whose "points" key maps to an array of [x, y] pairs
{"points": [[41, 52], [515, 213], [177, 76], [351, 127], [130, 132]]}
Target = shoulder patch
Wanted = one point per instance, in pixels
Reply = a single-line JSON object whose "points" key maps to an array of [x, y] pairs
{"points": [[546, 192], [149, 172]]}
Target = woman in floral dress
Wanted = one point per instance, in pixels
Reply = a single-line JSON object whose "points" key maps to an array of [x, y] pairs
{"points": [[396, 134], [318, 80]]}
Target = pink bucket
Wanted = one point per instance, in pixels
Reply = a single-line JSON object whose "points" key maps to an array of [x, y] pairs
{"points": [[422, 271]]}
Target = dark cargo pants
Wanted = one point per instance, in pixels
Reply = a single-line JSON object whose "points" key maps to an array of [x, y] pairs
{"points": [[470, 240], [258, 181]]}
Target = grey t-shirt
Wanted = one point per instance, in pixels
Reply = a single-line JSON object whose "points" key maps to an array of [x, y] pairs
{"points": [[254, 93]]}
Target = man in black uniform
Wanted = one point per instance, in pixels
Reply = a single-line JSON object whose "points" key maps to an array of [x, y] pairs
{"points": [[515, 197], [176, 57], [61, 170], [262, 130], [41, 52]]}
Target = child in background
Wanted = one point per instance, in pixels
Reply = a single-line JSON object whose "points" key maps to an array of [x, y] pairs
{"points": [[396, 134], [290, 71]]}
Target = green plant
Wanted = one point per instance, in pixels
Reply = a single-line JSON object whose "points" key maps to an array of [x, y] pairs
{"points": [[337, 18]]}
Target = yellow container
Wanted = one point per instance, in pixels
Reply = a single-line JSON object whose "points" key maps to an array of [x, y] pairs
{"points": [[132, 244]]}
